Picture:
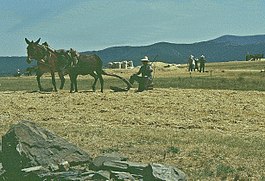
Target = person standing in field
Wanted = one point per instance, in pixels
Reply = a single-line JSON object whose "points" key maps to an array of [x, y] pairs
{"points": [[202, 61], [196, 64], [143, 76], [191, 63]]}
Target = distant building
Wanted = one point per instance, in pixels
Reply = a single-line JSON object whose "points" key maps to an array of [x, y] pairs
{"points": [[125, 64]]}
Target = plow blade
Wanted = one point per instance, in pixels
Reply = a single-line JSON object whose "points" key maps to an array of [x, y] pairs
{"points": [[118, 89]]}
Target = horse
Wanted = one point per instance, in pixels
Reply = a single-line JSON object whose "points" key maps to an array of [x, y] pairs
{"points": [[47, 61], [90, 64]]}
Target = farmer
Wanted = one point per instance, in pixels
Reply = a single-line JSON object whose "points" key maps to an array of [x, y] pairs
{"points": [[202, 61], [146, 78]]}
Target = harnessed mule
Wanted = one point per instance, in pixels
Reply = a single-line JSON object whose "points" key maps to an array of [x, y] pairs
{"points": [[47, 61], [92, 65]]}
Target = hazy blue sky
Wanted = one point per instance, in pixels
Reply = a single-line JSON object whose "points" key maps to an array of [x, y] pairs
{"points": [[99, 24]]}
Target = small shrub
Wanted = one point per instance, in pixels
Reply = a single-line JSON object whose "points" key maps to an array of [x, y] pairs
{"points": [[222, 170], [173, 149]]}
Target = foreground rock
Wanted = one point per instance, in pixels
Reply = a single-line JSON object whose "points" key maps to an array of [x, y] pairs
{"points": [[27, 145], [33, 153]]}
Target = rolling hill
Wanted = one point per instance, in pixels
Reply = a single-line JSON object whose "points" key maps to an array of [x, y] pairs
{"points": [[221, 49]]}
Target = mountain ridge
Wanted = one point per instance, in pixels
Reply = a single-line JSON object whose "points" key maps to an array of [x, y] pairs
{"points": [[224, 48], [221, 49]]}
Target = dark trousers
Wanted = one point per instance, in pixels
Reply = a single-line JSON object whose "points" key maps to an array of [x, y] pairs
{"points": [[202, 66], [144, 82]]}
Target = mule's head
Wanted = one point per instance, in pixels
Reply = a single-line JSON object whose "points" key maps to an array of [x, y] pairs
{"points": [[35, 50]]}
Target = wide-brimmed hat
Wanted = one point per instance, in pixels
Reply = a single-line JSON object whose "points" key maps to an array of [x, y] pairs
{"points": [[145, 59]]}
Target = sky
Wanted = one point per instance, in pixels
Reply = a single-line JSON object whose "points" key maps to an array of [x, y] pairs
{"points": [[87, 25]]}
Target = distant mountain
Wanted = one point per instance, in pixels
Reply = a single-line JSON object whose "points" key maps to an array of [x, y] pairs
{"points": [[240, 40], [9, 65], [222, 49]]}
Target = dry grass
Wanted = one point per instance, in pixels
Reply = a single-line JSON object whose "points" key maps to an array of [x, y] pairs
{"points": [[209, 134]]}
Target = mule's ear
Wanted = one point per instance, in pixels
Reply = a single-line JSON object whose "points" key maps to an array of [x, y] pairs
{"points": [[27, 41], [38, 41]]}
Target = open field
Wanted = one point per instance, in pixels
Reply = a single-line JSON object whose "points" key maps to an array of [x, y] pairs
{"points": [[190, 121]]}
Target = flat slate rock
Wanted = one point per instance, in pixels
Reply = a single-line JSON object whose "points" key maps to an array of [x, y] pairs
{"points": [[27, 145], [161, 172]]}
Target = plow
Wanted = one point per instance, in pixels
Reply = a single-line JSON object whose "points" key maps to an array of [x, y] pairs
{"points": [[119, 89]]}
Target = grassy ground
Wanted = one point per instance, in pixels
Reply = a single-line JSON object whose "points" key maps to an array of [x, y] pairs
{"points": [[190, 121], [221, 76]]}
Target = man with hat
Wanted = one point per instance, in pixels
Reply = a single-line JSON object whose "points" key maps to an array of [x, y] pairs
{"points": [[146, 75], [202, 61]]}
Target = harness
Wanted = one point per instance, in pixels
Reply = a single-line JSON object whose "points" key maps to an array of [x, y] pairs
{"points": [[62, 60]]}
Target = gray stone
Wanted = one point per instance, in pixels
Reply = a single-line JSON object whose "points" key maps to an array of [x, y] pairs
{"points": [[131, 167], [101, 175], [33, 153], [27, 145], [32, 169], [122, 176], [71, 175], [161, 172], [74, 175], [97, 163], [1, 169], [31, 173], [115, 165], [136, 168]]}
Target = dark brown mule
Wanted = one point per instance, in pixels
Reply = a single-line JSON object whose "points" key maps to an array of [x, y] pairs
{"points": [[92, 65], [47, 61]]}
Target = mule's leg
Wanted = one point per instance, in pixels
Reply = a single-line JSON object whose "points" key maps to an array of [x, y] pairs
{"points": [[61, 75], [53, 81], [101, 81], [95, 81], [38, 75], [75, 82], [72, 83]]}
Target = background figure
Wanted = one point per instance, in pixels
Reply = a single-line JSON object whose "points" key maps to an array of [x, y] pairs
{"points": [[191, 63], [146, 78], [196, 64], [202, 61], [18, 74]]}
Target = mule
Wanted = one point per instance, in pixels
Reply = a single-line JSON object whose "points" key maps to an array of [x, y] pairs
{"points": [[47, 61], [92, 65]]}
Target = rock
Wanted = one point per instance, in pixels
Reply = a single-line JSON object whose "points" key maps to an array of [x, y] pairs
{"points": [[74, 175], [32, 169], [97, 163], [27, 145], [122, 176], [33, 153], [64, 166], [101, 175], [161, 172], [122, 166], [1, 169], [31, 173], [115, 165]]}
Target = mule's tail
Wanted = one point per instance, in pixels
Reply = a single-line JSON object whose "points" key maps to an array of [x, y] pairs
{"points": [[129, 85]]}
